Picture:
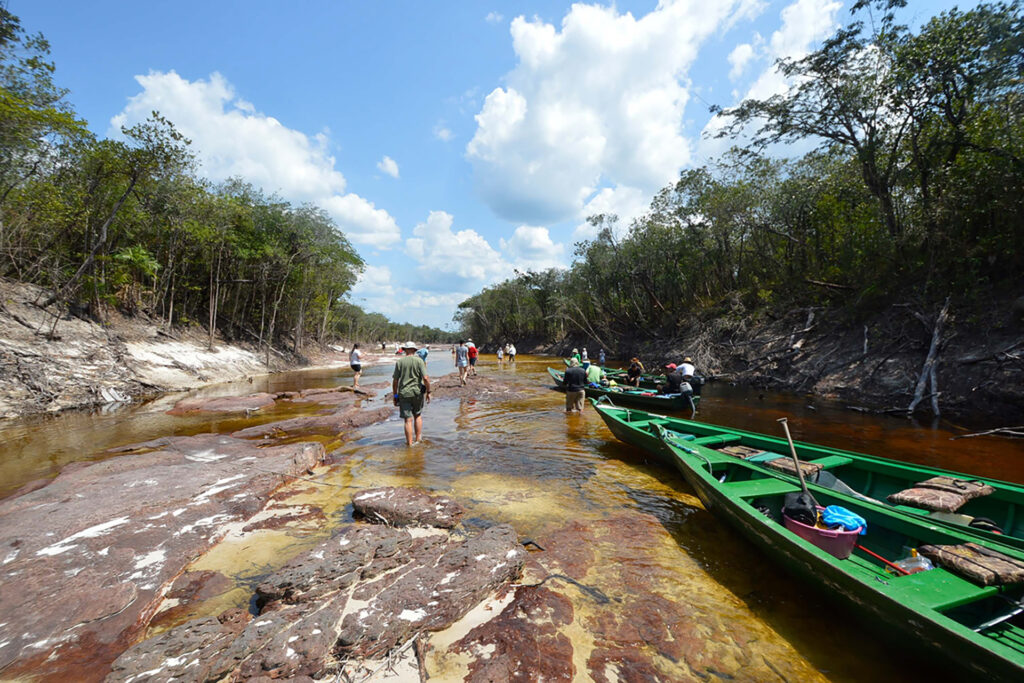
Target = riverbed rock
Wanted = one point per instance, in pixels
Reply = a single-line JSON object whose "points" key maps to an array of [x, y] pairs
{"points": [[332, 424], [222, 404], [407, 507], [449, 386], [364, 592], [87, 558]]}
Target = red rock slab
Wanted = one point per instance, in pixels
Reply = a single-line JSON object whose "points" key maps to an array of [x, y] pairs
{"points": [[448, 386], [401, 584], [85, 560], [222, 404], [331, 425], [407, 507], [524, 641]]}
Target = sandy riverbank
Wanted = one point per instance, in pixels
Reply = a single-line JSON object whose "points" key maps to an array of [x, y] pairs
{"points": [[78, 363]]}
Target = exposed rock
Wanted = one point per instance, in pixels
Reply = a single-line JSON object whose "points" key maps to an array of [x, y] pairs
{"points": [[222, 404], [332, 424], [362, 593], [407, 507], [524, 642], [449, 386], [84, 569]]}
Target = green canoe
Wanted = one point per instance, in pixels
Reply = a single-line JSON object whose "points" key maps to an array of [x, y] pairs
{"points": [[943, 611], [633, 397], [854, 474]]}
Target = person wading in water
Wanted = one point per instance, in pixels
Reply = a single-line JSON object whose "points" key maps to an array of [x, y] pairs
{"points": [[410, 386]]}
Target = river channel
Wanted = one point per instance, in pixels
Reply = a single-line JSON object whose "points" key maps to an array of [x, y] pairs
{"points": [[660, 568]]}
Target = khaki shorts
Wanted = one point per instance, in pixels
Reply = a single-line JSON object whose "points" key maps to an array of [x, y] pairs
{"points": [[574, 399], [410, 407]]}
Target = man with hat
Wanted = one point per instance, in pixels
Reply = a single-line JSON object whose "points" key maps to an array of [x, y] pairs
{"points": [[686, 369], [409, 387], [676, 383], [575, 381]]}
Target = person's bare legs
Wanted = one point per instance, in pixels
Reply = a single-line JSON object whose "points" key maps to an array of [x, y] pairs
{"points": [[355, 379], [419, 428], [409, 430]]}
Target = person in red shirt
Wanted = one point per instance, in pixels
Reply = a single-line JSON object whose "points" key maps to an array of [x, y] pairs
{"points": [[473, 353]]}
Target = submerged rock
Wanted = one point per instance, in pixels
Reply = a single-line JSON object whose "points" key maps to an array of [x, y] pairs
{"points": [[222, 404], [364, 592]]}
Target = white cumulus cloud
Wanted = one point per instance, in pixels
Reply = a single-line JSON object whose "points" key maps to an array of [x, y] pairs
{"points": [[231, 138], [387, 165], [739, 58], [531, 248], [447, 255], [595, 103], [443, 133]]}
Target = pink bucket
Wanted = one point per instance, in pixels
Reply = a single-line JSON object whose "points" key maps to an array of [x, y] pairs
{"points": [[836, 542]]}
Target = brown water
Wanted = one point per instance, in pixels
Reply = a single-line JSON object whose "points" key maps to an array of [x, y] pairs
{"points": [[708, 604]]}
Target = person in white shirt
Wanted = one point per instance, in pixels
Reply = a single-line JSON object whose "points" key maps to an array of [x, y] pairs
{"points": [[357, 367], [686, 368], [511, 353]]}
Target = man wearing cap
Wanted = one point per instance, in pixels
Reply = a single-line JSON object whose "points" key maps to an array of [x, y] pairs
{"points": [[575, 380], [675, 383], [409, 387]]}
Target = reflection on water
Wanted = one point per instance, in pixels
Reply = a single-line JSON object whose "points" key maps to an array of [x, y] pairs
{"points": [[705, 603]]}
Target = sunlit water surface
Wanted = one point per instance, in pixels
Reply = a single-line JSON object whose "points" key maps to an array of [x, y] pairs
{"points": [[525, 462]]}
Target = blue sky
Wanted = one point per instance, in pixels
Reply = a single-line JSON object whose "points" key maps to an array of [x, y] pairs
{"points": [[451, 142]]}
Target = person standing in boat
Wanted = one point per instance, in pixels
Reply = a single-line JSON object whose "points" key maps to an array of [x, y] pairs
{"points": [[410, 387], [354, 361], [600, 357], [583, 355], [575, 385], [635, 370]]}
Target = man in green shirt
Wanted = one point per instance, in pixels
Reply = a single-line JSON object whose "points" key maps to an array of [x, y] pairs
{"points": [[409, 386]]}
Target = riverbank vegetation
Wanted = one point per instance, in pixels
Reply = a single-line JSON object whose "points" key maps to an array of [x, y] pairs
{"points": [[912, 191], [128, 223]]}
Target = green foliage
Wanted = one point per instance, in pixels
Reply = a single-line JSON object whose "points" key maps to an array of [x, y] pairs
{"points": [[915, 189], [125, 222]]}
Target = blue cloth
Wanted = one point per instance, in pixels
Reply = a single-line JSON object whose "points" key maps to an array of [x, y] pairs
{"points": [[835, 515], [422, 353]]}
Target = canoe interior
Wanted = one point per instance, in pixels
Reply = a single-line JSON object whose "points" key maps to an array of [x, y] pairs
{"points": [[869, 476], [890, 536], [981, 628]]}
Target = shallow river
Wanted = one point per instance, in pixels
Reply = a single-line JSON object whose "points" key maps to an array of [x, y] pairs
{"points": [[655, 556]]}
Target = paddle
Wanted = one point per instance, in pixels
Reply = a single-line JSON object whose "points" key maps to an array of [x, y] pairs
{"points": [[796, 460], [802, 503]]}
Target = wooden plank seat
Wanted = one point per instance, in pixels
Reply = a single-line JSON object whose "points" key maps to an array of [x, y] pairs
{"points": [[740, 451], [786, 466], [941, 494], [984, 566]]}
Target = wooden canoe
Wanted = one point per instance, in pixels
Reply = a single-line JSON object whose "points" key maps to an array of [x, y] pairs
{"points": [[979, 628], [633, 397], [875, 477]]}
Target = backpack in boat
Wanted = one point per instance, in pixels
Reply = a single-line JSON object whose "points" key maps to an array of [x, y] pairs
{"points": [[800, 507]]}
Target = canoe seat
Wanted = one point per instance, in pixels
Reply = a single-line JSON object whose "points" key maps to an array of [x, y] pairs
{"points": [[756, 488], [982, 565], [941, 494], [740, 451], [785, 465], [712, 441]]}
